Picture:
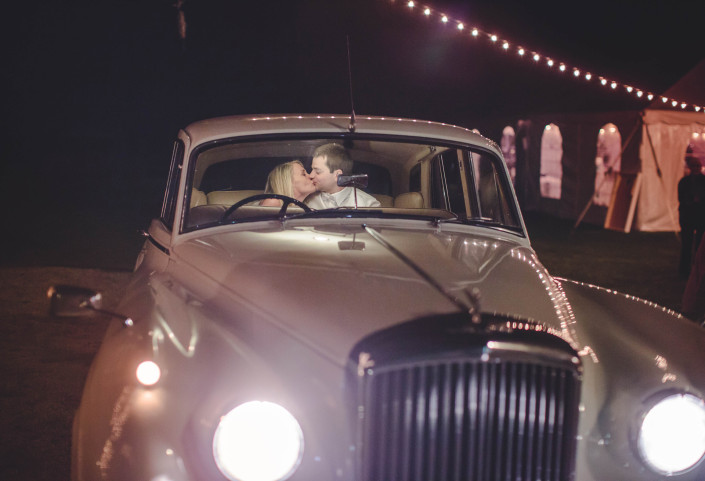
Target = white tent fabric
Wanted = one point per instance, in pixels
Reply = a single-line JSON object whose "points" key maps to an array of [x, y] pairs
{"points": [[551, 157], [663, 149]]}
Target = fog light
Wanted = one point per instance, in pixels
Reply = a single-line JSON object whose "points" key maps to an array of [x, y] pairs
{"points": [[148, 373]]}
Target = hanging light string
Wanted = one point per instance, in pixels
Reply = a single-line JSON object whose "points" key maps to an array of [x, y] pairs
{"points": [[541, 59]]}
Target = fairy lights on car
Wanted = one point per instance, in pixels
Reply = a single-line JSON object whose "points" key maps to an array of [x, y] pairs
{"points": [[521, 52], [345, 117]]}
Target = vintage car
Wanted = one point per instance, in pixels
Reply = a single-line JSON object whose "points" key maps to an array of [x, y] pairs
{"points": [[421, 339]]}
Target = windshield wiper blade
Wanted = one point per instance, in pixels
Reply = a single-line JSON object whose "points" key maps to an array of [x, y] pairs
{"points": [[469, 220], [447, 220]]}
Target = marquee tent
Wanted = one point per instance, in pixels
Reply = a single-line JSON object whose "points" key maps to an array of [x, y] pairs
{"points": [[640, 163]]}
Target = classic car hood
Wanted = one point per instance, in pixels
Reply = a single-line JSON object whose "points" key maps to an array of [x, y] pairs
{"points": [[330, 285]]}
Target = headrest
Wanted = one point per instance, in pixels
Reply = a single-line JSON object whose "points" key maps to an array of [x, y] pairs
{"points": [[409, 200], [384, 200], [198, 197]]}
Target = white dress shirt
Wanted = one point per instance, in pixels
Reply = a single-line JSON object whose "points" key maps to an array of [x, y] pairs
{"points": [[343, 198]]}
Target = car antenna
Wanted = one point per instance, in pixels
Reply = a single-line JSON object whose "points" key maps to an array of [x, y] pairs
{"points": [[351, 127]]}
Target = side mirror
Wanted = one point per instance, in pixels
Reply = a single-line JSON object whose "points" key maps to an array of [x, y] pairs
{"points": [[72, 301], [358, 180], [69, 301]]}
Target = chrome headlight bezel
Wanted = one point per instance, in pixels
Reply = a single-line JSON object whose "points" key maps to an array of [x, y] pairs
{"points": [[258, 441], [661, 440]]}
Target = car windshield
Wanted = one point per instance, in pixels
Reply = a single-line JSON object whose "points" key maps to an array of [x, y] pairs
{"points": [[399, 178]]}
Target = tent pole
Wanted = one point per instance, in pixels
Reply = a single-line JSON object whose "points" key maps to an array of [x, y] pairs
{"points": [[592, 197], [660, 176]]}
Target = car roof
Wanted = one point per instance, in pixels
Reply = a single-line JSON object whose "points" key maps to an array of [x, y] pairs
{"points": [[245, 125]]}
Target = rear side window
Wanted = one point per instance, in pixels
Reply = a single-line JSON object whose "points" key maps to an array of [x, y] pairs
{"points": [[472, 185], [492, 191], [449, 183]]}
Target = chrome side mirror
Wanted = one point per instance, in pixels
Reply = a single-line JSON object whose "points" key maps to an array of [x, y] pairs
{"points": [[70, 301]]}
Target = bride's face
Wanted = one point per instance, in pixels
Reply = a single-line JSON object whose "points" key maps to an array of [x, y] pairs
{"points": [[301, 182]]}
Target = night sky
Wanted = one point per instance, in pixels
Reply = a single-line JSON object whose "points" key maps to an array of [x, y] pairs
{"points": [[89, 64], [98, 89]]}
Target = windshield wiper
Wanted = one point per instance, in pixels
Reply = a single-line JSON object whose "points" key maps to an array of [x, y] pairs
{"points": [[332, 212], [469, 220]]}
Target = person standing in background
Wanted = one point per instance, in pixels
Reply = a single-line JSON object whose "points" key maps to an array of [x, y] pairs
{"points": [[691, 211], [693, 302]]}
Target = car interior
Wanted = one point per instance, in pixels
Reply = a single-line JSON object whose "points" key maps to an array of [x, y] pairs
{"points": [[433, 180]]}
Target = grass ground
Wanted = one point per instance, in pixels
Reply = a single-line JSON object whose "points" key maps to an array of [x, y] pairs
{"points": [[43, 366], [643, 264]]}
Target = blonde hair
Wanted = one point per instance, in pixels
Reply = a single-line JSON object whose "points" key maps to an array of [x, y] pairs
{"points": [[279, 180]]}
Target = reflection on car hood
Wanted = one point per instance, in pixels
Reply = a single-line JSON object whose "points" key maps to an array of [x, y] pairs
{"points": [[331, 285]]}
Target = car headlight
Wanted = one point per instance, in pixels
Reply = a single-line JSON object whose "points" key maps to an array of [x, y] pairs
{"points": [[672, 434], [258, 441]]}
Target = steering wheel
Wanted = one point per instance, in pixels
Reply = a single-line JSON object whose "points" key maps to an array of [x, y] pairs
{"points": [[286, 200]]}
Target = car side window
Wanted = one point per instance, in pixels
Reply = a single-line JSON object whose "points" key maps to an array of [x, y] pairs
{"points": [[448, 183], [491, 190], [172, 187], [471, 185]]}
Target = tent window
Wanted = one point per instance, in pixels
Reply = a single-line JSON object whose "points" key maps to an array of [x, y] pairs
{"points": [[509, 150], [551, 156], [696, 148], [608, 163]]}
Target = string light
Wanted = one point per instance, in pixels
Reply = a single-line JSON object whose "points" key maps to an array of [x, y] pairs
{"points": [[476, 32]]}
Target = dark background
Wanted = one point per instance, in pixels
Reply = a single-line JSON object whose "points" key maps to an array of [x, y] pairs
{"points": [[96, 90]]}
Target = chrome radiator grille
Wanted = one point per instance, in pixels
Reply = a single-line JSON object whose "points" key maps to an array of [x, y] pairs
{"points": [[469, 419]]}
